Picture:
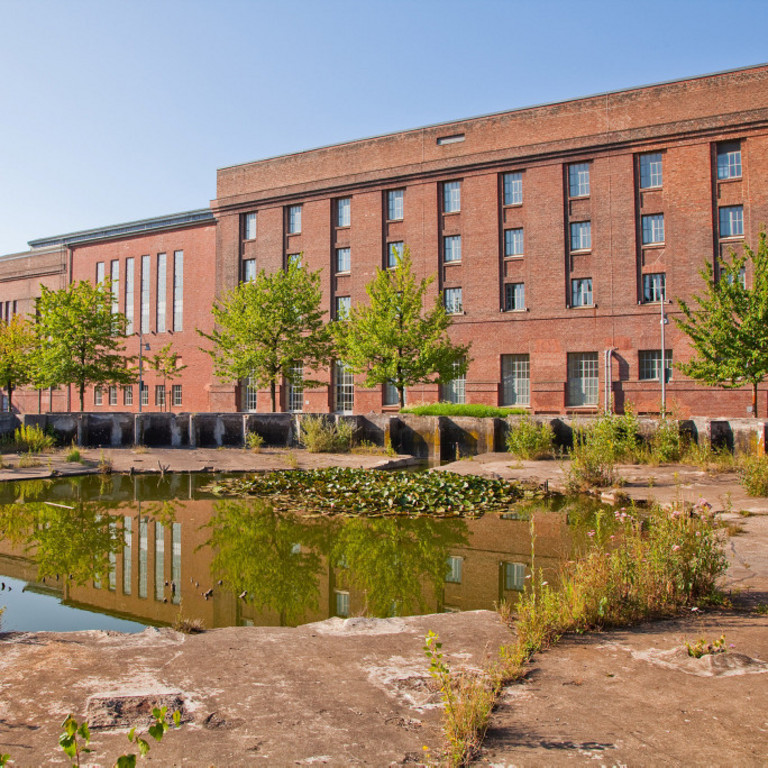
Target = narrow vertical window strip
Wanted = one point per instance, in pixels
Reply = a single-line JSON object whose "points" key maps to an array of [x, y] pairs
{"points": [[129, 295], [145, 294], [178, 290], [161, 289]]}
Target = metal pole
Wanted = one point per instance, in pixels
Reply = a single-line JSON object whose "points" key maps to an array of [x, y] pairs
{"points": [[141, 363], [663, 371]]}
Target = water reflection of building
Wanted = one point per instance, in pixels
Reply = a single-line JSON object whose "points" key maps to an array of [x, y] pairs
{"points": [[162, 566]]}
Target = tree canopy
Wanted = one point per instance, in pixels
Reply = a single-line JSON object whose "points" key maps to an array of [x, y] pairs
{"points": [[165, 363], [79, 338], [394, 339], [267, 327], [17, 343], [728, 326]]}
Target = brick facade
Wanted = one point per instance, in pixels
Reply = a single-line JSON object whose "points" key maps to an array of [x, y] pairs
{"points": [[552, 232]]}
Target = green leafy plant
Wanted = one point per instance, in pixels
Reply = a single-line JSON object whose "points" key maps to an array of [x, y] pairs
{"points": [[17, 342], [528, 440], [156, 730], [254, 442], [166, 364], [702, 648], [73, 455], [31, 438], [321, 435], [473, 410], [393, 340], [754, 475], [70, 739]]}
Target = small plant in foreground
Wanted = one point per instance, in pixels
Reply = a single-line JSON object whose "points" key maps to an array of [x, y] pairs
{"points": [[69, 740], [254, 442], [105, 464], [28, 460], [31, 438], [529, 440], [188, 626], [467, 703], [73, 455], [702, 648]]}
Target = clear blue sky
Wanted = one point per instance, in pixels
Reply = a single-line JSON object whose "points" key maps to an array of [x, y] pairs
{"points": [[117, 110]]}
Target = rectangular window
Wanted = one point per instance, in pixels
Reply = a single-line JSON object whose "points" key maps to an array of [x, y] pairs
{"points": [[452, 248], [178, 290], [251, 394], [127, 554], [578, 180], [391, 395], [343, 212], [451, 196], [249, 226], [453, 301], [513, 188], [249, 270], [145, 294], [293, 260], [114, 276], [455, 390], [343, 388], [514, 577], [98, 396], [514, 297], [159, 561], [343, 307], [161, 289], [144, 394], [128, 395], [343, 260], [143, 555], [513, 242], [732, 221], [394, 253], [654, 287], [342, 603], [650, 364], [176, 563], [583, 379], [650, 170], [294, 219], [653, 229], [176, 394], [581, 235], [113, 395], [129, 300], [729, 160], [99, 272], [159, 395], [296, 389], [515, 380], [395, 207], [581, 292], [453, 570]]}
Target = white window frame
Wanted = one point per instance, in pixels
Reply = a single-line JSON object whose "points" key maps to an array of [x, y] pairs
{"points": [[731, 221], [294, 219], [651, 170], [515, 292], [343, 260], [581, 236], [583, 379], [649, 364], [513, 188], [581, 292], [653, 229], [578, 180], [395, 249], [451, 196], [514, 243], [395, 204], [344, 212], [343, 388], [249, 226], [453, 301], [452, 249], [516, 380], [654, 287], [729, 160]]}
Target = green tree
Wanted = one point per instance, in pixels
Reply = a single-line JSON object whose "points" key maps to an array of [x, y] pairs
{"points": [[728, 327], [394, 340], [266, 327], [79, 339], [165, 363], [17, 343]]}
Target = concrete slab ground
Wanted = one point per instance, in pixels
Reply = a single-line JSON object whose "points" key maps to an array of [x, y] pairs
{"points": [[357, 692]]}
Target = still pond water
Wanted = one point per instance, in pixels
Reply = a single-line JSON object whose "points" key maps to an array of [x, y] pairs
{"points": [[126, 552]]}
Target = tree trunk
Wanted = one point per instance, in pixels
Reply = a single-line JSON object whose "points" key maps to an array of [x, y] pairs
{"points": [[272, 391], [401, 395], [754, 398], [10, 395], [82, 397]]}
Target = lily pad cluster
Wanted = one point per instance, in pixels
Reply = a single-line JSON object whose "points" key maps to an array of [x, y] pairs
{"points": [[377, 494]]}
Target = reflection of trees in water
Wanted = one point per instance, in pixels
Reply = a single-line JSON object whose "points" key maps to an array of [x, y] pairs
{"points": [[395, 561], [277, 558], [270, 556], [74, 540]]}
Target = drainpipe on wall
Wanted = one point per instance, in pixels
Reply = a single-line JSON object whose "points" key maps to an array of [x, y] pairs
{"points": [[607, 399]]}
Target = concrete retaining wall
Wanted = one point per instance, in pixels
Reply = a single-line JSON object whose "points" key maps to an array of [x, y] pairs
{"points": [[428, 437]]}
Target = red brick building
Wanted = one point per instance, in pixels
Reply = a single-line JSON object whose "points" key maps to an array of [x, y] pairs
{"points": [[554, 231], [162, 272]]}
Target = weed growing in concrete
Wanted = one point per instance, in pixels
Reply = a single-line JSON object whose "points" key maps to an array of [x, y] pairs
{"points": [[702, 648], [105, 464], [28, 460], [754, 475], [31, 438], [73, 454], [254, 442], [188, 626], [531, 441], [467, 703], [319, 435]]}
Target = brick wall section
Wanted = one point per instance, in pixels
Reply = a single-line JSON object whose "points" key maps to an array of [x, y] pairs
{"points": [[683, 121]]}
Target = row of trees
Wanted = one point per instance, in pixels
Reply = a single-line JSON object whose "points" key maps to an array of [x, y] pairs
{"points": [[75, 339], [266, 328]]}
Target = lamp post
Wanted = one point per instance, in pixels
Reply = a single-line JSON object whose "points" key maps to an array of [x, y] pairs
{"points": [[141, 364], [663, 372]]}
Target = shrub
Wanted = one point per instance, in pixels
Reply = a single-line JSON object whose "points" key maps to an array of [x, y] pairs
{"points": [[73, 453], [254, 442], [666, 443], [461, 409], [529, 440], [754, 475], [31, 438], [319, 435]]}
